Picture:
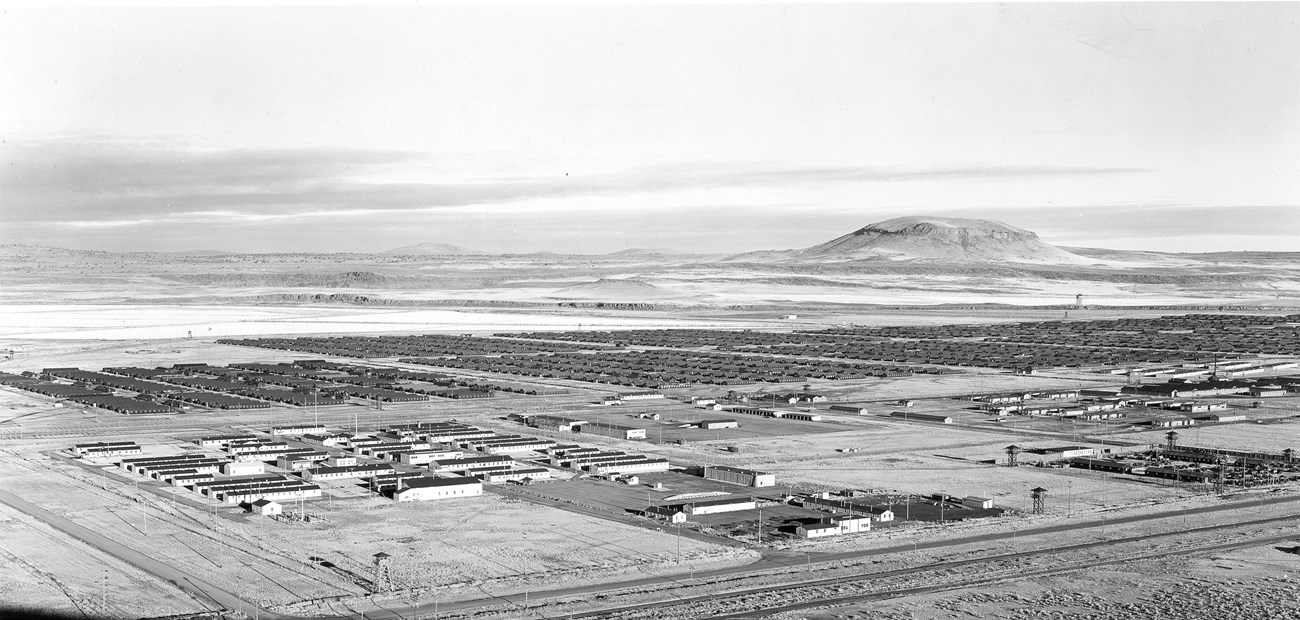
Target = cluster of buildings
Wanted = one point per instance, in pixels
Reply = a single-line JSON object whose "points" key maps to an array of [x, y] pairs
{"points": [[564, 424], [106, 448], [766, 412], [599, 462]]}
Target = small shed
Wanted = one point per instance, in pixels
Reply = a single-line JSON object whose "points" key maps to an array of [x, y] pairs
{"points": [[267, 508]]}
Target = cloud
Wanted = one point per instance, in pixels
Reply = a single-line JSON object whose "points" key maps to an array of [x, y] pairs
{"points": [[87, 182]]}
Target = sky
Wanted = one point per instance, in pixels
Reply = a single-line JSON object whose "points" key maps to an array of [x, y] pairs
{"points": [[1163, 126]]}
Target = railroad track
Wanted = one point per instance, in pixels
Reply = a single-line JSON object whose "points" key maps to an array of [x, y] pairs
{"points": [[766, 600], [994, 576]]}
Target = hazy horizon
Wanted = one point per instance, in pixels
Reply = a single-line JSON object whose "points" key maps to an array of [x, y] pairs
{"points": [[1170, 127]]}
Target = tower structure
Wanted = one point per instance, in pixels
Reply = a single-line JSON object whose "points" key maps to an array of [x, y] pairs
{"points": [[1012, 453], [383, 574], [1039, 495]]}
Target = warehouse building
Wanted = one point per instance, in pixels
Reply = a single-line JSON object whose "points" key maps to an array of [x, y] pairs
{"points": [[614, 430], [328, 440], [626, 396], [145, 466], [576, 459], [670, 514], [715, 506], [299, 462], [383, 450], [470, 462], [292, 491], [191, 479], [853, 409], [457, 435], [554, 423], [736, 475], [106, 448], [243, 468], [341, 460], [1220, 417], [921, 417], [834, 525], [423, 489], [340, 473], [272, 454], [222, 440], [391, 480], [297, 430], [1062, 452], [515, 475], [713, 425], [522, 445], [830, 504], [799, 415], [424, 457], [252, 446], [635, 465], [1106, 465], [773, 413]]}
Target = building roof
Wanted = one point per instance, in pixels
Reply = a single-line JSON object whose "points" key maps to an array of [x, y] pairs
{"points": [[738, 470], [723, 502], [425, 483], [820, 526]]}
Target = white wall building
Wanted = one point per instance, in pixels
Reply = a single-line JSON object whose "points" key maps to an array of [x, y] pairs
{"points": [[423, 489]]}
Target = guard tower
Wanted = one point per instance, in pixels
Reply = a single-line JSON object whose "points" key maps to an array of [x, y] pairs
{"points": [[1039, 496], [1012, 453], [1172, 436], [1078, 301], [383, 576]]}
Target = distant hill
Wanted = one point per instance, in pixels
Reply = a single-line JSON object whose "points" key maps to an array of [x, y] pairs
{"points": [[944, 239], [431, 249], [614, 289], [931, 239], [648, 252]]}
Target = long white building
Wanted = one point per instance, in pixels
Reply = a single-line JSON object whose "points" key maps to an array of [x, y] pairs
{"points": [[423, 489], [736, 475]]}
